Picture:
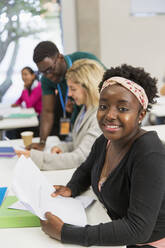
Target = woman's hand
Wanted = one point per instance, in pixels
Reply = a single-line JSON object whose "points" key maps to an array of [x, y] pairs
{"points": [[52, 226], [25, 153], [14, 105], [56, 149], [61, 190]]}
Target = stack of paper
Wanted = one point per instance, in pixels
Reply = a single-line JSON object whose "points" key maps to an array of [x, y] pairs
{"points": [[34, 192], [15, 113], [20, 115]]}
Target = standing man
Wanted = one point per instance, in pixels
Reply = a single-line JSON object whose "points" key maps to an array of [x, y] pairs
{"points": [[53, 65]]}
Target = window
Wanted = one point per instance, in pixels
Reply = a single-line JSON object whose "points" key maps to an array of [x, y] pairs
{"points": [[147, 7], [31, 21]]}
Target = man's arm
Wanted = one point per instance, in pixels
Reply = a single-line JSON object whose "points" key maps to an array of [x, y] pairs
{"points": [[46, 123], [47, 116]]}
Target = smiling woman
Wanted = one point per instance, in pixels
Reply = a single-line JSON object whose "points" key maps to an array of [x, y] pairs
{"points": [[125, 168]]}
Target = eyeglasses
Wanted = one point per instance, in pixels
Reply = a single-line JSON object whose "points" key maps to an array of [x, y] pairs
{"points": [[51, 68]]}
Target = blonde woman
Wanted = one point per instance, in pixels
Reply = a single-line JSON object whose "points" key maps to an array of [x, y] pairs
{"points": [[82, 80]]}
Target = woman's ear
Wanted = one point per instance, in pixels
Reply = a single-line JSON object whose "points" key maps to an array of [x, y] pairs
{"points": [[60, 56], [142, 114], [33, 77]]}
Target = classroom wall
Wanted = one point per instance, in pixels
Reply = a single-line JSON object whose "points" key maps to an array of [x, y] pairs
{"points": [[69, 24], [88, 27], [80, 21], [138, 41], [106, 28]]}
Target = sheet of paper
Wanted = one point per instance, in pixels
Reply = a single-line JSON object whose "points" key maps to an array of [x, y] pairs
{"points": [[34, 192], [85, 200]]}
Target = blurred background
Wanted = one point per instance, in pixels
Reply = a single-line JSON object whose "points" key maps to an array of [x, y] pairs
{"points": [[117, 31]]}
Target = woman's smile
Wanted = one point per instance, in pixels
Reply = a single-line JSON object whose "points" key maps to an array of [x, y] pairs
{"points": [[111, 128]]}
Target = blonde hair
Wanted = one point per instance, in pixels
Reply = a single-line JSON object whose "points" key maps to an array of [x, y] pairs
{"points": [[88, 73]]}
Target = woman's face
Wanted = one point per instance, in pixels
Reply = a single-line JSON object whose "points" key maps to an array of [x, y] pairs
{"points": [[77, 92], [27, 77], [119, 113]]}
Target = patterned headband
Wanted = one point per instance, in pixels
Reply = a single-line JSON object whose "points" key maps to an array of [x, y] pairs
{"points": [[136, 89]]}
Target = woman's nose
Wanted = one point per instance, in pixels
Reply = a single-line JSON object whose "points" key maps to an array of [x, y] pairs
{"points": [[69, 92], [111, 113]]}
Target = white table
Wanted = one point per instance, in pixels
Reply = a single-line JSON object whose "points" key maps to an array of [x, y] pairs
{"points": [[158, 109], [160, 129], [34, 237], [13, 123]]}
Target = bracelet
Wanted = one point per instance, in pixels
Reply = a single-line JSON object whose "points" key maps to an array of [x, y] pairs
{"points": [[42, 142]]}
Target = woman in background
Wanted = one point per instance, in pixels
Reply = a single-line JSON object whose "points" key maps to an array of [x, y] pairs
{"points": [[31, 97], [82, 79]]}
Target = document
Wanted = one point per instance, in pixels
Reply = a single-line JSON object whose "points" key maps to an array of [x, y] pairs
{"points": [[15, 113], [34, 193]]}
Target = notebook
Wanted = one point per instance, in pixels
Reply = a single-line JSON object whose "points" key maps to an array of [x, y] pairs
{"points": [[20, 115], [16, 218], [7, 151], [3, 191]]}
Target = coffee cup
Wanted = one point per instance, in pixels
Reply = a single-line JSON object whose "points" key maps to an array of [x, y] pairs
{"points": [[27, 137]]}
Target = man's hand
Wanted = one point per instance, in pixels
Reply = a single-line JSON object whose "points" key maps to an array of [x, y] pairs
{"points": [[56, 149], [52, 226], [61, 190], [37, 146]]}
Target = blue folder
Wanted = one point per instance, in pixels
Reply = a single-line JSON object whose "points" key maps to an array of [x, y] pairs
{"points": [[7, 151], [2, 194]]}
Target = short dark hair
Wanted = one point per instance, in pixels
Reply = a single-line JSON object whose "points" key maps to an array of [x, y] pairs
{"points": [[44, 49], [139, 76]]}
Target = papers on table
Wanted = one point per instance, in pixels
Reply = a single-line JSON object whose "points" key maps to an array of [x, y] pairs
{"points": [[16, 112], [34, 192]]}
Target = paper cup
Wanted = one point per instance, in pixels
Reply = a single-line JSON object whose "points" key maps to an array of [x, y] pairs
{"points": [[27, 137]]}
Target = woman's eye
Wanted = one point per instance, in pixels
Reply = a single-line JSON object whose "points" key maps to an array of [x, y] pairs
{"points": [[102, 107], [123, 109]]}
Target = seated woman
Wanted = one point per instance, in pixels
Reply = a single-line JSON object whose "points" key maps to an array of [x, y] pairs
{"points": [[82, 79], [31, 97], [126, 168]]}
